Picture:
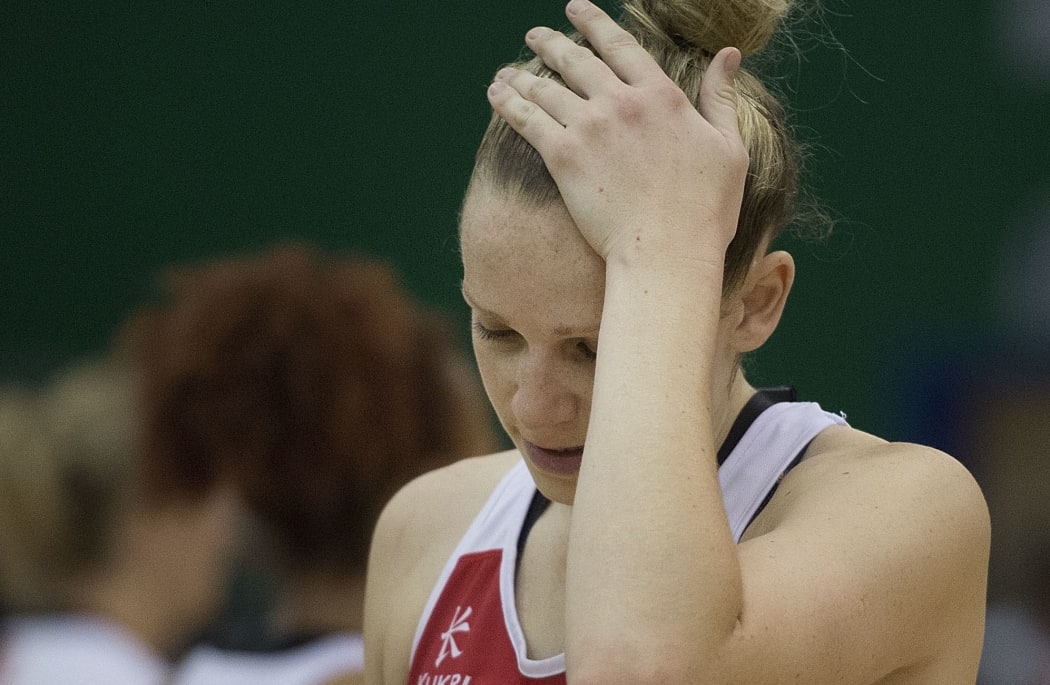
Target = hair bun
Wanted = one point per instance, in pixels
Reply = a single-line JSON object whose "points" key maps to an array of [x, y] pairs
{"points": [[711, 24]]}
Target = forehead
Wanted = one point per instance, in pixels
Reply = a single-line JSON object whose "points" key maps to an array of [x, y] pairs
{"points": [[497, 220], [518, 253]]}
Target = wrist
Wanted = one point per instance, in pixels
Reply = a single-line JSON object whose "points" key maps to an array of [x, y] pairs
{"points": [[673, 302], [674, 269]]}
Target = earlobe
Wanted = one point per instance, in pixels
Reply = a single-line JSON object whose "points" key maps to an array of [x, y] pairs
{"points": [[764, 297]]}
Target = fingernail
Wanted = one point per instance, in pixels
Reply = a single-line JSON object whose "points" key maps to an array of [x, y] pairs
{"points": [[503, 74], [733, 63], [497, 87], [577, 6], [538, 32]]}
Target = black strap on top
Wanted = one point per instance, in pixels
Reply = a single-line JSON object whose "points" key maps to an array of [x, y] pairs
{"points": [[763, 399], [537, 506]]}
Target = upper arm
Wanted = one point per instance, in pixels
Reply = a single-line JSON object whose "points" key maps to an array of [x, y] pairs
{"points": [[402, 565], [872, 564], [391, 527]]}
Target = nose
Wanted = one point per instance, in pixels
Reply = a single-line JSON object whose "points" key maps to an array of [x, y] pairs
{"points": [[544, 397]]}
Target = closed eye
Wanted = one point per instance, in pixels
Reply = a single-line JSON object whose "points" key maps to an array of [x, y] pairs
{"points": [[491, 334]]}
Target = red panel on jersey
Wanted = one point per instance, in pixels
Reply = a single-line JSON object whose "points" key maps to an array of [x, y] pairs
{"points": [[465, 641]]}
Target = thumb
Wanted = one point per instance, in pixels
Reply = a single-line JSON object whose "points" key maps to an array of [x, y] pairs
{"points": [[718, 98]]}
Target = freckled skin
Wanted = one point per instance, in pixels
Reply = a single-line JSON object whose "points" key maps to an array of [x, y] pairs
{"points": [[539, 382]]}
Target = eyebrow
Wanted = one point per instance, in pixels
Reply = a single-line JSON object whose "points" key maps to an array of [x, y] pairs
{"points": [[559, 331], [475, 306]]}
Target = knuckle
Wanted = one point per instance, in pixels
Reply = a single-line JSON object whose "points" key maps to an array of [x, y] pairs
{"points": [[520, 114], [629, 106], [594, 124], [620, 41], [538, 87], [547, 40], [670, 96], [726, 92], [574, 55]]}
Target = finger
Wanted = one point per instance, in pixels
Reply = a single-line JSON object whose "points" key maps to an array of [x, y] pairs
{"points": [[617, 48], [553, 98], [535, 125], [583, 71], [718, 97]]}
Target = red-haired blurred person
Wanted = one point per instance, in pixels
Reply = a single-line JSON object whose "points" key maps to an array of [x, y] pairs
{"points": [[324, 387]]}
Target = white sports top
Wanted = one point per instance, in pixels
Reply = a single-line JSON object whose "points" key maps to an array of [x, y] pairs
{"points": [[75, 650], [312, 663], [750, 472]]}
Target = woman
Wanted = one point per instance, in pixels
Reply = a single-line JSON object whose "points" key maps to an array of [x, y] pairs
{"points": [[616, 251], [322, 387]]}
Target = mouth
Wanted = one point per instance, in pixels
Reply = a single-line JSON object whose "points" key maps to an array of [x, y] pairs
{"points": [[560, 461]]}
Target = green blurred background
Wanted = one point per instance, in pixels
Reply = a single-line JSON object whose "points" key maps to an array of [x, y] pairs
{"points": [[140, 135]]}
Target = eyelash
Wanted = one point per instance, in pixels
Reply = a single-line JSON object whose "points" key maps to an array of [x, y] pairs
{"points": [[489, 334]]}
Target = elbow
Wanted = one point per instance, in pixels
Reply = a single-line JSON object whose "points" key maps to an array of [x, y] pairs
{"points": [[629, 666], [626, 674], [629, 659]]}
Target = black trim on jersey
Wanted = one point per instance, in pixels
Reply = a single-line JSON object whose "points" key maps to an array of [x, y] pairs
{"points": [[537, 506], [763, 399], [772, 491]]}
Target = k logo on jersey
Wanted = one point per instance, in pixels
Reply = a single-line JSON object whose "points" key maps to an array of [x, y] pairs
{"points": [[448, 638]]}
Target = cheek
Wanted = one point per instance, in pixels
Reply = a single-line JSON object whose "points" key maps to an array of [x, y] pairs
{"points": [[496, 376]]}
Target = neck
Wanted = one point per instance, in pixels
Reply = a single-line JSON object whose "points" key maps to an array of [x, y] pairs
{"points": [[318, 602]]}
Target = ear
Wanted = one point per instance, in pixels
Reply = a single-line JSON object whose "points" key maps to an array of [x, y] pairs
{"points": [[763, 297]]}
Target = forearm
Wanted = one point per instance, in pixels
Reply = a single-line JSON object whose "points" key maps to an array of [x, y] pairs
{"points": [[651, 560]]}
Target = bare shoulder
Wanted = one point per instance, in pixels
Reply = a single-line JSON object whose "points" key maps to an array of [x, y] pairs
{"points": [[846, 461], [443, 498], [417, 532], [891, 540], [851, 479]]}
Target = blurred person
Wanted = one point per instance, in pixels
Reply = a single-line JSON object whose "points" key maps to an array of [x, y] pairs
{"points": [[1006, 416], [109, 561], [324, 387], [1017, 632]]}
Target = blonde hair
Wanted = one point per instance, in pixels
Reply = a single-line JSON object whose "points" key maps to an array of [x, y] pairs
{"points": [[682, 36], [67, 462]]}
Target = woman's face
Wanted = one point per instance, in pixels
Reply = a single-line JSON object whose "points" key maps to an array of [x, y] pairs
{"points": [[535, 289]]}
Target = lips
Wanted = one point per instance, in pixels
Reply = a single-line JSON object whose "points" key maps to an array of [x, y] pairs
{"points": [[561, 461]]}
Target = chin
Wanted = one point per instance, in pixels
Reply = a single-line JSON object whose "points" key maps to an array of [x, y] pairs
{"points": [[560, 489]]}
